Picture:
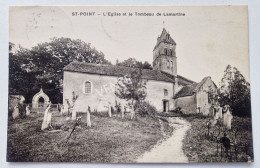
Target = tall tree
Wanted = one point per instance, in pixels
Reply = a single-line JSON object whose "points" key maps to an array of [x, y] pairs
{"points": [[42, 65], [131, 88], [235, 91]]}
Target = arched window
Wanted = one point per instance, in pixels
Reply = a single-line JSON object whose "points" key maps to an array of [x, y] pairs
{"points": [[170, 51], [165, 91], [167, 36], [87, 87], [165, 51]]}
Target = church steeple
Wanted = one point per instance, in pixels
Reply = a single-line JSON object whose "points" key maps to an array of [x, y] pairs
{"points": [[164, 56]]}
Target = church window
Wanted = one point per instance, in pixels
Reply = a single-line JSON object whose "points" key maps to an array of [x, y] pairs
{"points": [[165, 51], [171, 52], [165, 92], [167, 36], [171, 65], [87, 87]]}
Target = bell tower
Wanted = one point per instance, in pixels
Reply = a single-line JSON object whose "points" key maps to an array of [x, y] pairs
{"points": [[164, 56]]}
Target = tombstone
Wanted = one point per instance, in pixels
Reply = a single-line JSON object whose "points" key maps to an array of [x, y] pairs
{"points": [[109, 110], [88, 117], [62, 111], [123, 112], [28, 111], [47, 118], [61, 107], [227, 118], [74, 114], [15, 100], [229, 121], [214, 121], [219, 112], [15, 113], [132, 112]]}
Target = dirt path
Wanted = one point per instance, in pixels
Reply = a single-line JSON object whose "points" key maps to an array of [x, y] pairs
{"points": [[170, 150]]}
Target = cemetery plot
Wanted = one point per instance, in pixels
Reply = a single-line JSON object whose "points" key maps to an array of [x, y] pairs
{"points": [[109, 139], [219, 143]]}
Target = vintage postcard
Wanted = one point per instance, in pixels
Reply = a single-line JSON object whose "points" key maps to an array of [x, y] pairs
{"points": [[129, 84]]}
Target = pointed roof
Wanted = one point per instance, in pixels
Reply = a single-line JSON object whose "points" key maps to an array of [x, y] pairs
{"points": [[163, 38], [189, 90]]}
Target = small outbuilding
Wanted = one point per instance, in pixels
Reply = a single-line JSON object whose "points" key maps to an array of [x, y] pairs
{"points": [[194, 98], [40, 101]]}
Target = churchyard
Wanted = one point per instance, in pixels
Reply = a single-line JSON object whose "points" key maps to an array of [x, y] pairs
{"points": [[109, 139], [203, 143]]}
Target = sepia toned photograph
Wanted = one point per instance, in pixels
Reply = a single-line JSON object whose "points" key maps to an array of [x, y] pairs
{"points": [[129, 84]]}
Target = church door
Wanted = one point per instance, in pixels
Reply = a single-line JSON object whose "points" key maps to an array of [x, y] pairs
{"points": [[165, 105]]}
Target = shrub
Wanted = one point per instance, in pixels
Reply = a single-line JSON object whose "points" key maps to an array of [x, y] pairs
{"points": [[145, 109]]}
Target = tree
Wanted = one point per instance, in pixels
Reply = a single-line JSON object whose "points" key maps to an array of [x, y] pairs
{"points": [[212, 96], [42, 65], [147, 65], [131, 88], [71, 105], [19, 78], [133, 63], [235, 91]]}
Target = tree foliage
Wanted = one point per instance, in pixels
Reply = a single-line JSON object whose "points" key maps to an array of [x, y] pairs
{"points": [[235, 91], [132, 62], [42, 66], [131, 88]]}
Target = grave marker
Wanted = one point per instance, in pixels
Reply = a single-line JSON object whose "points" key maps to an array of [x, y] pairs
{"points": [[15, 113], [47, 118]]}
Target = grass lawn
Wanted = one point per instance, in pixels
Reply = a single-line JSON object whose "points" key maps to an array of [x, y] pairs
{"points": [[112, 140], [199, 148]]}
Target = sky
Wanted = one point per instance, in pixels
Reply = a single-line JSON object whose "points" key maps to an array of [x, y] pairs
{"points": [[208, 38]]}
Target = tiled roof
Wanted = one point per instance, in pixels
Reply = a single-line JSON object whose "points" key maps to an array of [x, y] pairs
{"points": [[162, 38], [181, 80], [189, 90], [113, 70], [184, 81]]}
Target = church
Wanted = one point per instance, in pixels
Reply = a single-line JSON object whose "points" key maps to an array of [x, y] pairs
{"points": [[166, 89]]}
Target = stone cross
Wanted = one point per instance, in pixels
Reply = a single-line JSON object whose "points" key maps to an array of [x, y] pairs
{"points": [[47, 118], [15, 113]]}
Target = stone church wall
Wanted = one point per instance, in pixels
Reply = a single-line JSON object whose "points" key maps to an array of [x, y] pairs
{"points": [[187, 104], [203, 105], [103, 91], [155, 94]]}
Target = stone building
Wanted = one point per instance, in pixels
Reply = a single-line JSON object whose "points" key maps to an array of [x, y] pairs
{"points": [[166, 90]]}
